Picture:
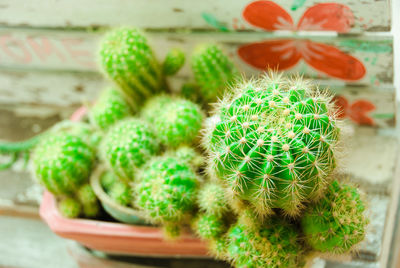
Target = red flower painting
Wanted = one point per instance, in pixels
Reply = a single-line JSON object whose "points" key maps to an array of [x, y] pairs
{"points": [[284, 54], [356, 111]]}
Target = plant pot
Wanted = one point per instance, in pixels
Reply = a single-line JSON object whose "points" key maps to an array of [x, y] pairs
{"points": [[118, 238], [115, 210]]}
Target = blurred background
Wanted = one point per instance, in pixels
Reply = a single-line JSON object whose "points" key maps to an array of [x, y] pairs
{"points": [[48, 70]]}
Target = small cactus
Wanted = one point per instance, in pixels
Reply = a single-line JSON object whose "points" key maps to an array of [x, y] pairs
{"points": [[121, 193], [173, 61], [109, 108], [127, 146], [209, 226], [336, 223], [166, 191], [62, 163], [273, 144], [69, 207], [189, 156], [274, 244], [212, 200], [127, 59], [213, 71], [107, 180], [175, 122]]}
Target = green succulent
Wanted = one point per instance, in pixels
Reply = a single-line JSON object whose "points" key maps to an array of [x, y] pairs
{"points": [[69, 207], [175, 121], [109, 108], [174, 61], [337, 222], [127, 146], [273, 143]]}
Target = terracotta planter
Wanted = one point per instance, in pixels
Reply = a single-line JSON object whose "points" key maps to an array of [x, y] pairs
{"points": [[117, 238]]}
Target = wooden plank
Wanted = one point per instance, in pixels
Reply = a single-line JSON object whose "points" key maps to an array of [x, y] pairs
{"points": [[367, 60], [368, 15], [71, 89]]}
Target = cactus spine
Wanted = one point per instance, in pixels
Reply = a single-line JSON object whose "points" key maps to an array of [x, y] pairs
{"points": [[176, 121], [274, 143], [127, 146], [127, 59], [173, 61], [109, 108], [166, 191], [336, 222], [213, 71]]}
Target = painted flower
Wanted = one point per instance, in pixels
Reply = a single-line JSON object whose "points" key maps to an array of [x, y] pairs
{"points": [[356, 111], [284, 54]]}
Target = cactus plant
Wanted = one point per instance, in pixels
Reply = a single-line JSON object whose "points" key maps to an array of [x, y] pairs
{"points": [[213, 71], [336, 223], [191, 91], [173, 61], [272, 244], [127, 146], [212, 200], [70, 207], [127, 59], [89, 201], [209, 226], [166, 191], [175, 122], [121, 193], [62, 163], [273, 144], [109, 108], [189, 156]]}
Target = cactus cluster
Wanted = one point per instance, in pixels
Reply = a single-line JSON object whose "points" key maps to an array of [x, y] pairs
{"points": [[213, 71], [166, 192], [176, 121], [337, 222], [110, 107], [273, 144], [127, 146]]}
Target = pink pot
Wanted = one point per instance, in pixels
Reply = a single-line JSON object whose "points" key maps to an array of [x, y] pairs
{"points": [[117, 238]]}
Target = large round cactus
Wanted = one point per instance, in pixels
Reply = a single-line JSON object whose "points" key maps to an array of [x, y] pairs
{"points": [[62, 162], [109, 108], [213, 71], [167, 190], [127, 146], [274, 143], [175, 121], [337, 222], [273, 244], [128, 60]]}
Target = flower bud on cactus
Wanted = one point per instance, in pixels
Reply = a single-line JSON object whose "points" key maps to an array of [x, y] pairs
{"points": [[62, 163], [127, 146], [69, 207], [274, 143], [128, 60], [213, 71], [336, 222], [173, 61], [209, 226], [272, 245], [212, 200], [175, 122], [109, 108], [166, 190]]}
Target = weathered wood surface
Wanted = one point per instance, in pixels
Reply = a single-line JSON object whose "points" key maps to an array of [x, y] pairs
{"points": [[367, 15], [76, 51]]}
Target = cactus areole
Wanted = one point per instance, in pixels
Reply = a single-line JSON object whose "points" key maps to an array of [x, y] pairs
{"points": [[274, 143]]}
